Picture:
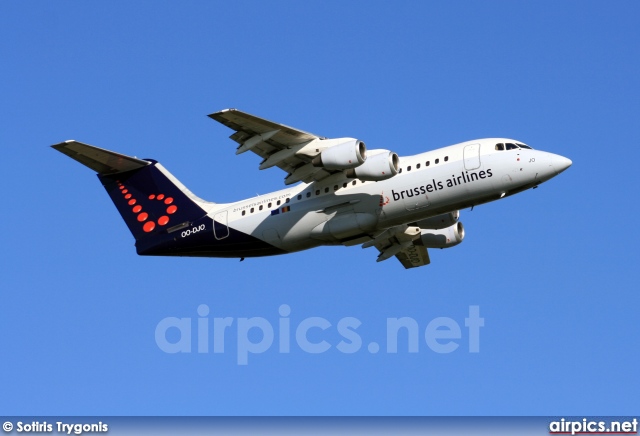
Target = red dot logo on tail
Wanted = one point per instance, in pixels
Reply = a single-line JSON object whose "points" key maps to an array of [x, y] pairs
{"points": [[144, 217], [149, 226]]}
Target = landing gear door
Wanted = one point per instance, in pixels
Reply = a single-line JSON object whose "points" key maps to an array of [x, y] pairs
{"points": [[472, 156], [220, 228]]}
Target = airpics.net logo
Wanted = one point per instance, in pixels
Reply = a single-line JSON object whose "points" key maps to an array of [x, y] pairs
{"points": [[314, 335]]}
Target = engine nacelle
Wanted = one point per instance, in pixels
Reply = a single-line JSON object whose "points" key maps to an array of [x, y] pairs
{"points": [[440, 221], [379, 166], [343, 156], [443, 238]]}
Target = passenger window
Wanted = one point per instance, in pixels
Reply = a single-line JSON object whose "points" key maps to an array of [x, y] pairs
{"points": [[353, 183], [500, 147], [409, 168], [278, 203], [417, 166], [400, 170], [428, 163], [287, 199], [326, 189], [308, 194], [269, 205], [344, 185], [299, 196], [437, 161], [260, 208], [335, 187], [244, 212], [317, 192], [446, 158], [251, 210]]}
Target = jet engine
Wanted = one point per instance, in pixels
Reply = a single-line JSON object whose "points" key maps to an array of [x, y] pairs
{"points": [[379, 166], [440, 221], [342, 156], [443, 238]]}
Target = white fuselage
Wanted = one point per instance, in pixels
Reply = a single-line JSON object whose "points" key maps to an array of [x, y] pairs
{"points": [[337, 210]]}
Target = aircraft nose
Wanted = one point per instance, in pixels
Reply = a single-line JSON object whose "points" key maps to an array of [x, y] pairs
{"points": [[560, 163]]}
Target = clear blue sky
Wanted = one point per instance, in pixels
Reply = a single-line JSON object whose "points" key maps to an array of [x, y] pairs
{"points": [[554, 270]]}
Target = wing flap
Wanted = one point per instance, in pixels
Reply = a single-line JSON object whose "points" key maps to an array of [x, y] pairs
{"points": [[277, 144], [414, 256], [247, 125], [98, 159], [404, 243]]}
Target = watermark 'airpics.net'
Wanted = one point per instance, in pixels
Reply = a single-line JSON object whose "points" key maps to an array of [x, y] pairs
{"points": [[312, 335]]}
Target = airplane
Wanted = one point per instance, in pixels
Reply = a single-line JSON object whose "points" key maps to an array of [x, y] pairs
{"points": [[342, 194]]}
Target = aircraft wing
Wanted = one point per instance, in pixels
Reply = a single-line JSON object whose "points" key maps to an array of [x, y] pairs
{"points": [[277, 144], [404, 243], [413, 256]]}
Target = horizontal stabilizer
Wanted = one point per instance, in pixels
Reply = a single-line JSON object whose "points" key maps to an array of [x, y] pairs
{"points": [[98, 159]]}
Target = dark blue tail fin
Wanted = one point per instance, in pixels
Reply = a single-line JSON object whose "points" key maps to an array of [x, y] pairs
{"points": [[150, 200]]}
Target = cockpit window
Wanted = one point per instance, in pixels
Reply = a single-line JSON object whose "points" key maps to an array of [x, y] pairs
{"points": [[511, 146]]}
